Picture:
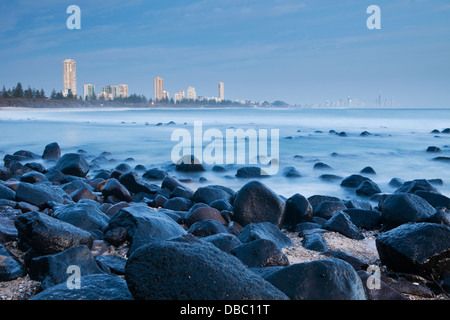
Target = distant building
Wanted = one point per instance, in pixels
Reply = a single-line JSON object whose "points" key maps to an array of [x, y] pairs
{"points": [[88, 91], [69, 78], [122, 91], [112, 92], [191, 94], [159, 88], [179, 96], [166, 95], [221, 91]]}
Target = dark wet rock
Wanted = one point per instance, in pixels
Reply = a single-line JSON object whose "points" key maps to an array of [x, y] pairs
{"points": [[189, 163], [73, 164], [342, 134], [82, 215], [75, 185], [442, 216], [255, 203], [103, 174], [5, 173], [340, 222], [209, 194], [221, 205], [19, 169], [113, 209], [116, 236], [315, 242], [178, 204], [36, 167], [154, 174], [327, 209], [316, 200], [416, 185], [114, 188], [51, 270], [364, 219], [38, 194], [250, 172], [218, 168], [367, 188], [358, 204], [182, 192], [297, 210], [10, 266], [353, 181], [418, 248], [55, 176], [442, 159], [321, 166], [123, 167], [223, 241], [260, 253], [134, 184], [192, 271], [206, 228], [404, 207], [306, 232], [83, 194], [306, 226], [115, 264], [93, 287], [158, 201], [52, 151], [326, 279], [203, 213], [6, 193], [433, 149], [330, 177], [355, 262], [144, 225], [365, 134], [47, 235], [446, 130], [265, 230], [368, 170], [396, 182], [8, 231], [171, 183], [435, 131], [27, 154], [384, 292], [435, 199], [291, 172], [33, 177]]}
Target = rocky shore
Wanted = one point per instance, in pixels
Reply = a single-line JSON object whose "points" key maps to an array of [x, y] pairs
{"points": [[143, 234]]}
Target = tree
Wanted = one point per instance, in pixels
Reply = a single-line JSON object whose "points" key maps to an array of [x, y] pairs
{"points": [[53, 95], [4, 93], [42, 94], [28, 94], [18, 91]]}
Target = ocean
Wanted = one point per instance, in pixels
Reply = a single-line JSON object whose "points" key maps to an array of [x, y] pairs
{"points": [[395, 146]]}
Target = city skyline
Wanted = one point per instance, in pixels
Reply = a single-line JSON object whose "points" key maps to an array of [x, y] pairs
{"points": [[298, 51]]}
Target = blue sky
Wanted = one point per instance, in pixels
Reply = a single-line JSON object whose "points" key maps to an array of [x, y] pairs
{"points": [[302, 52]]}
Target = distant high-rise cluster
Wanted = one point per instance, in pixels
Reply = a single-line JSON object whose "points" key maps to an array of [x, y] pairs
{"points": [[69, 78], [190, 94], [112, 92]]}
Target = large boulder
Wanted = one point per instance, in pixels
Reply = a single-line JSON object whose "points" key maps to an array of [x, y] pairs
{"points": [[210, 194], [364, 219], [189, 163], [47, 235], [297, 210], [203, 213], [255, 203], [52, 151], [7, 193], [8, 231], [353, 181], [51, 270], [10, 266], [341, 223], [93, 287], [73, 164], [435, 199], [38, 194], [260, 253], [85, 216], [135, 184], [401, 208], [144, 225], [114, 188], [326, 279], [327, 209], [419, 248], [416, 185], [171, 270]]}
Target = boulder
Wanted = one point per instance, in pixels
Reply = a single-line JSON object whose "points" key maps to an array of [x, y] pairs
{"points": [[10, 266], [265, 230], [134, 184], [315, 242], [250, 172], [170, 270], [327, 209], [38, 194], [115, 264], [206, 228], [416, 185], [47, 235], [203, 213], [114, 188], [210, 194], [342, 224], [8, 231], [255, 203], [223, 241], [52, 151], [5, 173], [189, 163], [326, 279], [83, 215], [404, 207], [7, 193], [420, 248], [353, 181], [367, 188], [316, 200], [297, 210], [364, 219], [291, 172], [93, 287], [355, 262], [51, 270], [154, 174], [260, 253], [384, 292], [368, 170], [435, 199], [73, 164]]}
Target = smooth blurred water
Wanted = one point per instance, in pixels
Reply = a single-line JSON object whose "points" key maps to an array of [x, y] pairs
{"points": [[396, 147]]}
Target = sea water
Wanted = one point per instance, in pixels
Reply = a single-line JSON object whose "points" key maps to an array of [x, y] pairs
{"points": [[396, 146]]}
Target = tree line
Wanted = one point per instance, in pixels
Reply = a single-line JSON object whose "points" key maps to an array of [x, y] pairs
{"points": [[19, 93]]}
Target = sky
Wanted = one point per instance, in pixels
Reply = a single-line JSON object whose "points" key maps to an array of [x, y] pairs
{"points": [[299, 51]]}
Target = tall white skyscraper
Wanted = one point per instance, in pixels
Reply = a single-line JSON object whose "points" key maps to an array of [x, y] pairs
{"points": [[221, 91], [122, 91], [69, 78], [159, 88]]}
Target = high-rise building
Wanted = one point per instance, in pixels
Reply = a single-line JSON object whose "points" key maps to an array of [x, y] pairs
{"points": [[69, 78], [191, 95], [166, 95], [122, 91], [88, 91], [179, 96], [113, 92], [159, 88], [221, 91]]}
